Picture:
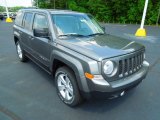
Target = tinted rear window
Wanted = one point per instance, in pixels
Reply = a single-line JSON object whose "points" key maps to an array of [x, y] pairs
{"points": [[27, 21]]}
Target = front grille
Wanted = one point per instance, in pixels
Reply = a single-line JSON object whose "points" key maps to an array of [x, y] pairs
{"points": [[131, 64]]}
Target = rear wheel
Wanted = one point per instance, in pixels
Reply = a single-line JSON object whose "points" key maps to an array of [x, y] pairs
{"points": [[67, 88], [20, 52]]}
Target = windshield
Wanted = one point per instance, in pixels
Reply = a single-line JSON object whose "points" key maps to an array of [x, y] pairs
{"points": [[81, 25]]}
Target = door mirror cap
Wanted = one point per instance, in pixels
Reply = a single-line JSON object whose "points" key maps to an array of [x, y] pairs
{"points": [[44, 33], [104, 28]]}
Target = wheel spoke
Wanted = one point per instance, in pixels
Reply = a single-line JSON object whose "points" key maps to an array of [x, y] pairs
{"points": [[18, 47], [19, 51], [67, 81], [62, 80], [61, 87], [66, 95], [70, 90]]}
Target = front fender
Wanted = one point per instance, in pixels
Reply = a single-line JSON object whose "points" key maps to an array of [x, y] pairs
{"points": [[75, 65]]}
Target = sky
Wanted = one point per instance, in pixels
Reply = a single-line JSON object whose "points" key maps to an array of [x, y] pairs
{"points": [[12, 3]]}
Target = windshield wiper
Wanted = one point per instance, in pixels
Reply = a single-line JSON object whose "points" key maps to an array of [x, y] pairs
{"points": [[96, 34], [71, 34]]}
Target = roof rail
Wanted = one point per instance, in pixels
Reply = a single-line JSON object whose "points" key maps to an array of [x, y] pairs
{"points": [[30, 8]]}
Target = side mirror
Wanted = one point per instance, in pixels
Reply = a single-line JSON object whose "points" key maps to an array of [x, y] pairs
{"points": [[41, 33], [104, 28]]}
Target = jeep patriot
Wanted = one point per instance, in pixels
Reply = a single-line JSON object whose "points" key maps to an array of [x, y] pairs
{"points": [[84, 61]]}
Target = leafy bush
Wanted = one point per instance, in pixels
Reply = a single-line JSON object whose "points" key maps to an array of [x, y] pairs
{"points": [[120, 11]]}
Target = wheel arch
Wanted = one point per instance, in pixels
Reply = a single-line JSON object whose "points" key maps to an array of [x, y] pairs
{"points": [[16, 39], [61, 59]]}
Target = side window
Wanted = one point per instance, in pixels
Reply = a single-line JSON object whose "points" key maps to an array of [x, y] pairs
{"points": [[40, 22], [27, 21], [19, 17]]}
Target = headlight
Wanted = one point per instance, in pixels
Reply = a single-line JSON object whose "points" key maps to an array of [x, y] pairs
{"points": [[108, 67]]}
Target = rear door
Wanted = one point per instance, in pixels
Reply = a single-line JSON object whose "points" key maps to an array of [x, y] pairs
{"points": [[18, 28], [26, 32], [41, 46]]}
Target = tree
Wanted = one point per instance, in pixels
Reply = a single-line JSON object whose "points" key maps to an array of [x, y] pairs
{"points": [[123, 11], [2, 9], [15, 9]]}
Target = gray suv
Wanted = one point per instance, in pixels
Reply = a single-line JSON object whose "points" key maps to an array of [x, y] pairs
{"points": [[84, 61]]}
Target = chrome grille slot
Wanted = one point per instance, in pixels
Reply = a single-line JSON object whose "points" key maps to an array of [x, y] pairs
{"points": [[137, 62], [126, 67], [134, 63], [141, 58], [130, 65], [120, 68]]}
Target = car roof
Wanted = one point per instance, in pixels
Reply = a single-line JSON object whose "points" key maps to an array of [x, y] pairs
{"points": [[52, 11]]}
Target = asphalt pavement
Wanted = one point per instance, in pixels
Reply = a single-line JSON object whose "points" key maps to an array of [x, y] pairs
{"points": [[28, 93]]}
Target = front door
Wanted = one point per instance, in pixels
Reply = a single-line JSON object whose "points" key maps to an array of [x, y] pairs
{"points": [[41, 46]]}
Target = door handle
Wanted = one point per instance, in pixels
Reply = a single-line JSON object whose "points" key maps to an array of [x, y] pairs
{"points": [[31, 37], [20, 31]]}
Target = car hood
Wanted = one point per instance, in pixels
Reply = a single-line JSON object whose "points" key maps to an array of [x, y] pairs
{"points": [[101, 47]]}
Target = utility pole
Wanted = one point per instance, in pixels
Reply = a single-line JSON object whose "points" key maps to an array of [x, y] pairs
{"points": [[141, 32], [32, 3], [8, 19], [37, 3], [158, 16], [54, 4]]}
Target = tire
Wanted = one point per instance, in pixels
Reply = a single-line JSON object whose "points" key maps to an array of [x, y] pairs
{"points": [[20, 52], [66, 86]]}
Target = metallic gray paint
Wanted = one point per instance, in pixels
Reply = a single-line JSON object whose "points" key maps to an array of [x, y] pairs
{"points": [[81, 54], [101, 47]]}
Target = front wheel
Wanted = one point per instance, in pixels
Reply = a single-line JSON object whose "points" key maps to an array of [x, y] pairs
{"points": [[67, 88], [20, 52]]}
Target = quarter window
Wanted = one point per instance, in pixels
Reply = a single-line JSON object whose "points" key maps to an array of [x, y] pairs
{"points": [[19, 17]]}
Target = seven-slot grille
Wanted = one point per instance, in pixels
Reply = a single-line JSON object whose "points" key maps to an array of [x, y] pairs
{"points": [[131, 64]]}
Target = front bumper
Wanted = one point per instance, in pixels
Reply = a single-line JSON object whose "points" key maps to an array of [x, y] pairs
{"points": [[115, 87]]}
